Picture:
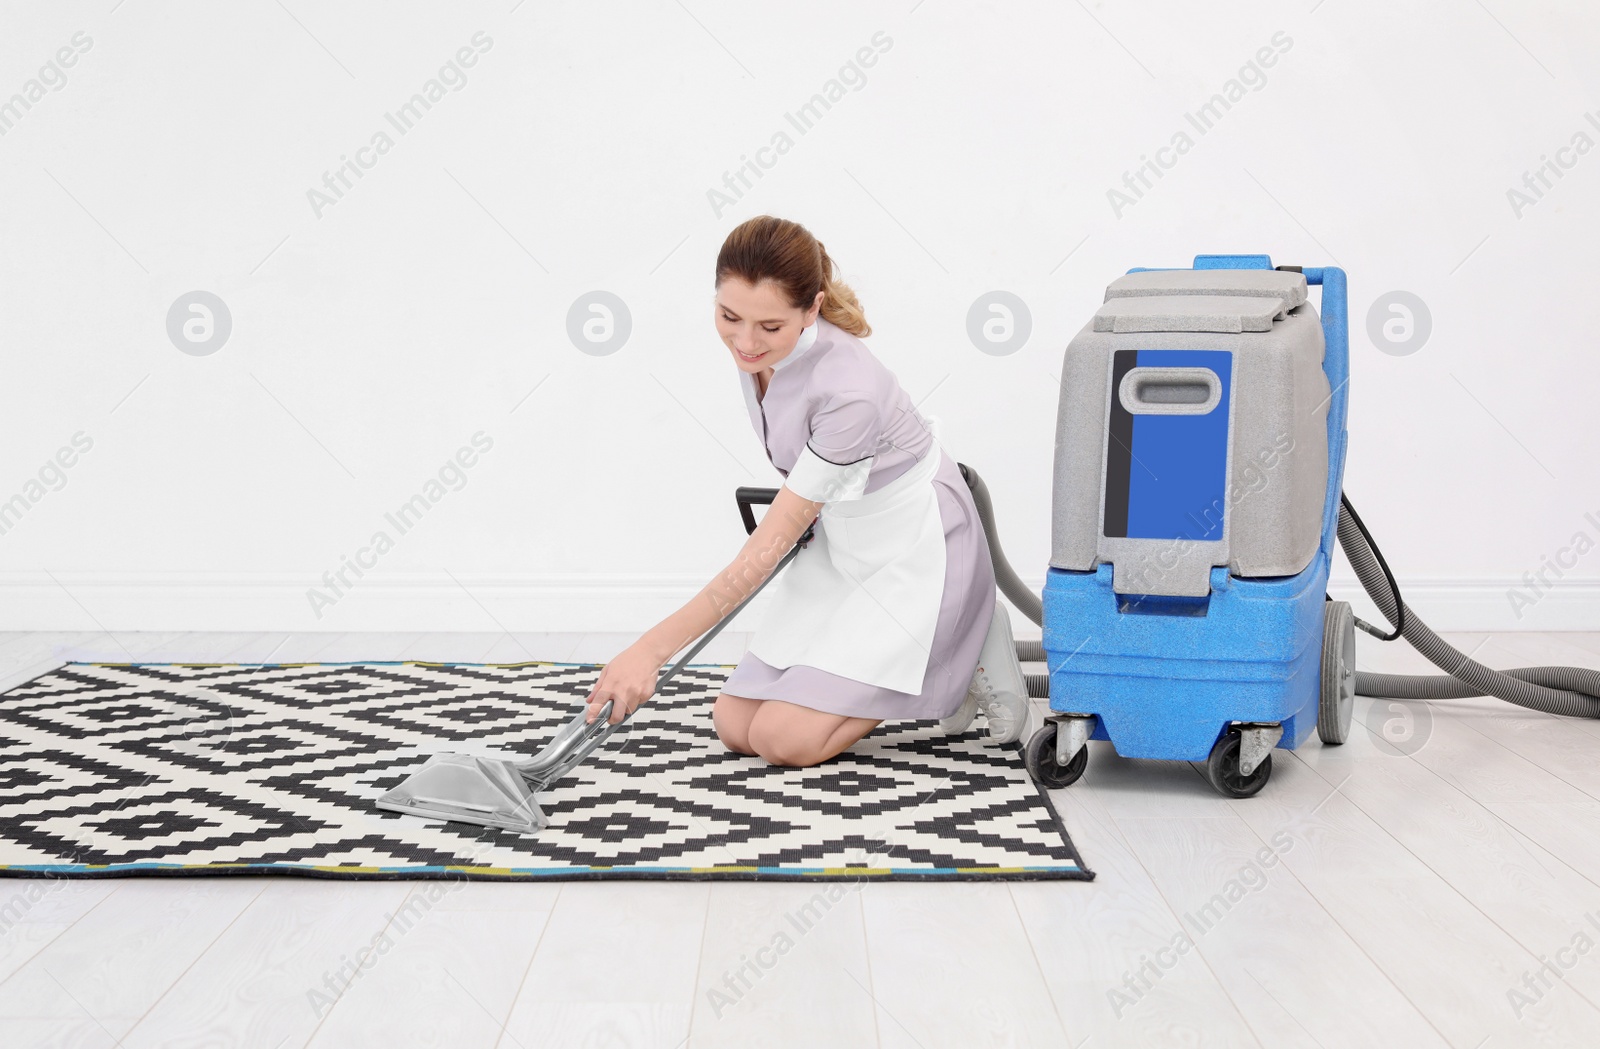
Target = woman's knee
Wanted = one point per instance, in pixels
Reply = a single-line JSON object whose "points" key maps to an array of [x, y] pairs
{"points": [[780, 741], [731, 716], [788, 753]]}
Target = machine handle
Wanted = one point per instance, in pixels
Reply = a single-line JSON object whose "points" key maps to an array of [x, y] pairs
{"points": [[748, 497], [1335, 309]]}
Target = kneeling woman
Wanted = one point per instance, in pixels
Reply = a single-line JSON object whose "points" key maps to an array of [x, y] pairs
{"points": [[890, 610]]}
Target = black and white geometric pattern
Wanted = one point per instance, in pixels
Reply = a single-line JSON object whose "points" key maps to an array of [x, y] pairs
{"points": [[118, 769]]}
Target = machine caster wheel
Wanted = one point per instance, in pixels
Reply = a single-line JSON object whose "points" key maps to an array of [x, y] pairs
{"points": [[1040, 759], [1338, 693], [1222, 769]]}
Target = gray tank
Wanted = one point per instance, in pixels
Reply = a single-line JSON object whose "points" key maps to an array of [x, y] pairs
{"points": [[1192, 432]]}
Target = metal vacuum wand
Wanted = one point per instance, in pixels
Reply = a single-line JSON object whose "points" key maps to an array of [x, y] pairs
{"points": [[496, 792]]}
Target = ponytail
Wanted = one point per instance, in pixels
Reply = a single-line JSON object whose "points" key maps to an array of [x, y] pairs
{"points": [[839, 303], [767, 248]]}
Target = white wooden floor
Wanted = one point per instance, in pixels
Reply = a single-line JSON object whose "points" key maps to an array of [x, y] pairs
{"points": [[1368, 897]]}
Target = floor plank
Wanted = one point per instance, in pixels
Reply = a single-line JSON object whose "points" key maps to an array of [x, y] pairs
{"points": [[118, 960], [771, 955], [957, 969], [268, 977], [1093, 942], [1409, 920], [616, 965], [1527, 890], [446, 976], [1269, 942]]}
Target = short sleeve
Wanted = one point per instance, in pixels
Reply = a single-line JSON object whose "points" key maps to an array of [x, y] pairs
{"points": [[837, 458]]}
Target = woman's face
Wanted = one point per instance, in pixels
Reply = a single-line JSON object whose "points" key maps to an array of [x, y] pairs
{"points": [[757, 325]]}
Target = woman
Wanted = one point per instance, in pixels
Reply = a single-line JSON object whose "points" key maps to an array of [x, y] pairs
{"points": [[890, 610]]}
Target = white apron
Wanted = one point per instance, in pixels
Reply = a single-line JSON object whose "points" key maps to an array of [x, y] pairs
{"points": [[861, 600]]}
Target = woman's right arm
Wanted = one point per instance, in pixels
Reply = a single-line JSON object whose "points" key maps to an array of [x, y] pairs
{"points": [[780, 528], [630, 678]]}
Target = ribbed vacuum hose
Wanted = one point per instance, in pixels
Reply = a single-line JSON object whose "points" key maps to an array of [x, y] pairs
{"points": [[1571, 691], [1005, 577], [1010, 584]]}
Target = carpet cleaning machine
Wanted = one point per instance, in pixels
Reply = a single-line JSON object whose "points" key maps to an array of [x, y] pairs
{"points": [[1198, 492], [1197, 496]]}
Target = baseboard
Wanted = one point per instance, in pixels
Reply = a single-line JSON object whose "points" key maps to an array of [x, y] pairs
{"points": [[1488, 605], [444, 602]]}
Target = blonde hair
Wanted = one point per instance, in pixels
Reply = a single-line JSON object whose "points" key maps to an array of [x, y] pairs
{"points": [[784, 252]]}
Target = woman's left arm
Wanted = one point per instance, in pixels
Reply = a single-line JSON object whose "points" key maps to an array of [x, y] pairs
{"points": [[630, 678]]}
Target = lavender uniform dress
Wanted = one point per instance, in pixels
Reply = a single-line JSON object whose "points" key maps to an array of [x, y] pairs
{"points": [[882, 615]]}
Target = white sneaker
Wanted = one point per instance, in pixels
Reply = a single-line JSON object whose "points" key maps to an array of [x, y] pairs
{"points": [[961, 720], [998, 687]]}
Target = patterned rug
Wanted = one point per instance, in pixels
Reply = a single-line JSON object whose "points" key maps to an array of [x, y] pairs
{"points": [[160, 768]]}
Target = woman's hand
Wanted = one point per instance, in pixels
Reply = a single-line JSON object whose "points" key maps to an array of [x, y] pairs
{"points": [[628, 680]]}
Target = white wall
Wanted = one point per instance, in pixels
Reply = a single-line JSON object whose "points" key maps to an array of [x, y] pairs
{"points": [[371, 341]]}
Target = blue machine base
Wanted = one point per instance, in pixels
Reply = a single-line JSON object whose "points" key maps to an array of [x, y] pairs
{"points": [[1165, 677], [1165, 683]]}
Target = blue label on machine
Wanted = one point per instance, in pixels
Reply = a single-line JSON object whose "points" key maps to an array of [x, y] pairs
{"points": [[1167, 457]]}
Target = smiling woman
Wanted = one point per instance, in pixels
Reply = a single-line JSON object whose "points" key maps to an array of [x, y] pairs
{"points": [[883, 614]]}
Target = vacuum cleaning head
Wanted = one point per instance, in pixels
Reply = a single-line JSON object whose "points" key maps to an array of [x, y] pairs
{"points": [[466, 788], [497, 792]]}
